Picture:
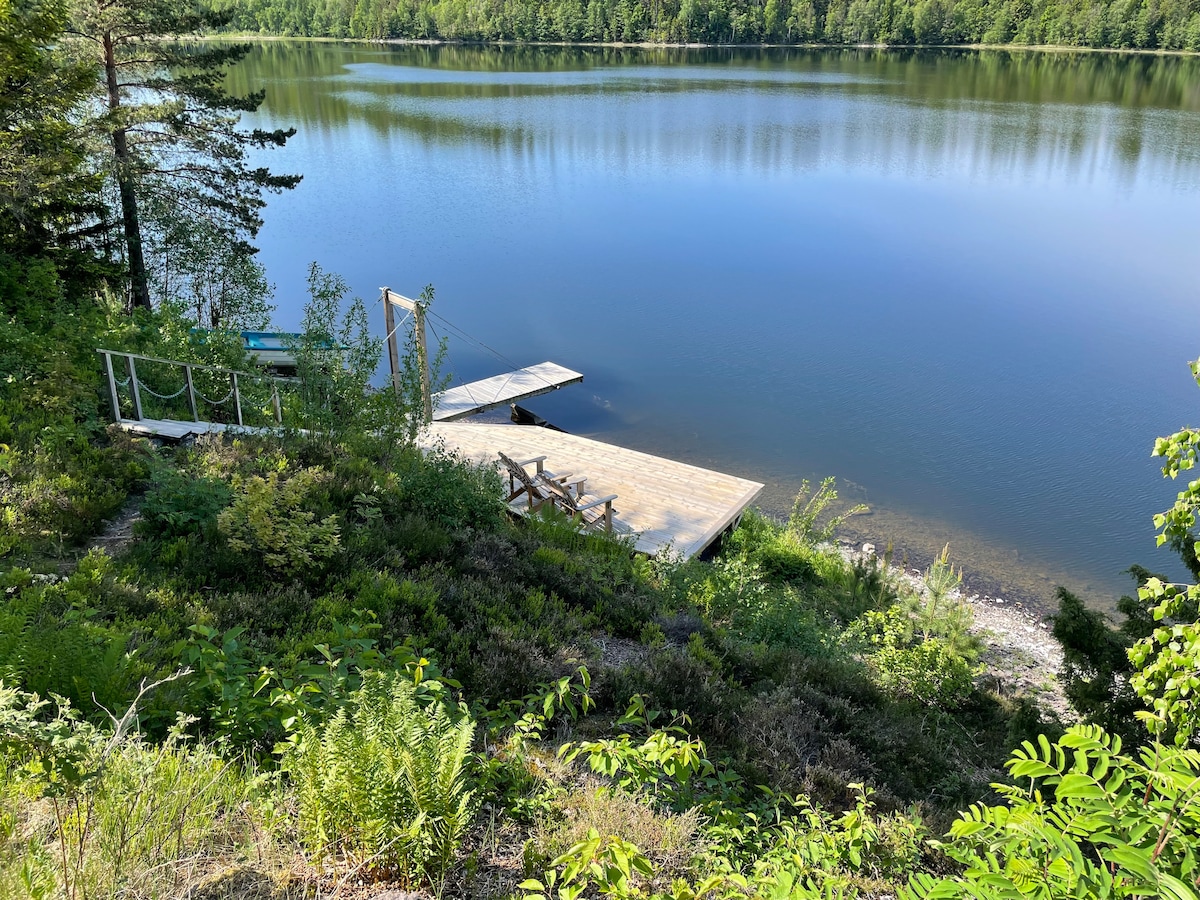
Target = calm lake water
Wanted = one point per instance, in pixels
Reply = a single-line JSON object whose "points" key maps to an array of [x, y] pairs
{"points": [[967, 284]]}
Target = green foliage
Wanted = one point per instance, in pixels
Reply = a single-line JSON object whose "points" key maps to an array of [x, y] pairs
{"points": [[809, 508], [1167, 663], [385, 781], [216, 283], [1168, 659], [926, 669], [336, 356], [608, 865], [1092, 822], [54, 642], [507, 772], [791, 847], [177, 158], [179, 505], [667, 763], [122, 811], [1163, 25], [60, 474], [938, 612], [268, 520], [1096, 669], [45, 187]]}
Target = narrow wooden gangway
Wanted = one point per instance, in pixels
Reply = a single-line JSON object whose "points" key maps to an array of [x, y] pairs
{"points": [[177, 429], [501, 390], [467, 399], [661, 502]]}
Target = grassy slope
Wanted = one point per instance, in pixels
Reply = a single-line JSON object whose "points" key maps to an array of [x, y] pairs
{"points": [[276, 567]]}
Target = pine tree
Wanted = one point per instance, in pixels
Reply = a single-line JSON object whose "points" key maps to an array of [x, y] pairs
{"points": [[47, 195], [172, 128]]}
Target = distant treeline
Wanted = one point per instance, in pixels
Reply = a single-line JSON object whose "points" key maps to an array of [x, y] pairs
{"points": [[1142, 24]]}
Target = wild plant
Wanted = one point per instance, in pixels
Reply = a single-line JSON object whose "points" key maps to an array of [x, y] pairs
{"points": [[248, 706], [866, 584], [939, 612], [385, 782], [54, 641], [670, 840], [667, 764], [126, 817], [507, 772], [729, 583], [179, 505], [268, 523], [334, 402], [928, 669], [1082, 819], [609, 865], [810, 506]]}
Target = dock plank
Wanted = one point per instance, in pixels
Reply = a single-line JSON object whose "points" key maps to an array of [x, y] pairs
{"points": [[501, 390], [665, 503], [177, 430]]}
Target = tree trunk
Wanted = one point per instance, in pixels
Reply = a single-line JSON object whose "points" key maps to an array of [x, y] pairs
{"points": [[139, 286]]}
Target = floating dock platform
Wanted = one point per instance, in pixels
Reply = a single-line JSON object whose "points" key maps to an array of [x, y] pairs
{"points": [[663, 503], [501, 390]]}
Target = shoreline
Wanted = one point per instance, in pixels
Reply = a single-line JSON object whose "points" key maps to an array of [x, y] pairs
{"points": [[655, 45], [1020, 655]]}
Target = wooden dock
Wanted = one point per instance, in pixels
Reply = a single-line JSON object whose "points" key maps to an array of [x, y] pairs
{"points": [[176, 430], [663, 502], [501, 390]]}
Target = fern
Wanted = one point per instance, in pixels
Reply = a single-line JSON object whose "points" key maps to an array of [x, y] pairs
{"points": [[385, 781]]}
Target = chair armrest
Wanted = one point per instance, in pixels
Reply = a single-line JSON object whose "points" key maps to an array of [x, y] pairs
{"points": [[602, 501], [577, 482], [533, 459]]}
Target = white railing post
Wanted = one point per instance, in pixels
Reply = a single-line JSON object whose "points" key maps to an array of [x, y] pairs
{"points": [[112, 387], [191, 392], [133, 384], [237, 398]]}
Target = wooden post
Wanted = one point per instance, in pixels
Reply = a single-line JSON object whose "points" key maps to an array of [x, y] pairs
{"points": [[191, 392], [423, 360], [112, 387], [417, 308], [237, 398], [275, 405], [393, 344], [133, 384]]}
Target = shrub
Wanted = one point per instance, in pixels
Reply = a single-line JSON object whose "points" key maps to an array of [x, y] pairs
{"points": [[1091, 822], [927, 670], [385, 781], [267, 520], [179, 505], [810, 507], [125, 818]]}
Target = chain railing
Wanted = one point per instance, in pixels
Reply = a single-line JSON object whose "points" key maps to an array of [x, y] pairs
{"points": [[196, 380]]}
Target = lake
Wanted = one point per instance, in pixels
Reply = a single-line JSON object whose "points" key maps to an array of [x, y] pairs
{"points": [[965, 283]]}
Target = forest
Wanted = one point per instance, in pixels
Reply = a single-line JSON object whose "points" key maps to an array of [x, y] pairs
{"points": [[1121, 24]]}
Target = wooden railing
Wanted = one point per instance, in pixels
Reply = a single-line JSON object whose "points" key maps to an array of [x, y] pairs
{"points": [[195, 398]]}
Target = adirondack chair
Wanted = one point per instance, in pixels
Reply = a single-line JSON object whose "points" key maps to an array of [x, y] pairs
{"points": [[591, 513], [520, 482]]}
